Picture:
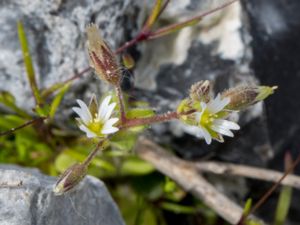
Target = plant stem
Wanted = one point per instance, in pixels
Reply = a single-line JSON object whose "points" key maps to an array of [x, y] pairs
{"points": [[93, 153], [36, 120], [121, 104], [272, 189], [149, 120], [176, 26]]}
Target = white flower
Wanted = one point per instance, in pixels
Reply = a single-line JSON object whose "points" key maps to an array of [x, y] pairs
{"points": [[100, 124], [210, 123]]}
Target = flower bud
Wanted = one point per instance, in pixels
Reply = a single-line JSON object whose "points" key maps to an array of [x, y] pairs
{"points": [[243, 96], [70, 178], [200, 91], [128, 61], [102, 59]]}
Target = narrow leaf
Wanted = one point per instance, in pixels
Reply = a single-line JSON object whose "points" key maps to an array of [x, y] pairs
{"points": [[174, 28], [153, 15], [285, 196], [28, 63], [57, 100], [190, 22], [8, 100]]}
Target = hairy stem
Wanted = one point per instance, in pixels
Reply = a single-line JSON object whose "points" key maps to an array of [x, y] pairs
{"points": [[149, 120], [171, 28], [121, 104], [93, 153]]}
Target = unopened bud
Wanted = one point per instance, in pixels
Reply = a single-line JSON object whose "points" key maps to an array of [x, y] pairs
{"points": [[200, 91], [128, 61], [102, 59], [70, 178], [244, 96]]}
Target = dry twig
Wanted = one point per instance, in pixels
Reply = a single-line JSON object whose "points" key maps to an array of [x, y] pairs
{"points": [[188, 177], [247, 171]]}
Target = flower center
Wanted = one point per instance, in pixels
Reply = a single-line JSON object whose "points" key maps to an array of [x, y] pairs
{"points": [[95, 126], [207, 118]]}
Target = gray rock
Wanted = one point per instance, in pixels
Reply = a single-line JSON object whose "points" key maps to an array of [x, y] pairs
{"points": [[56, 35], [26, 198]]}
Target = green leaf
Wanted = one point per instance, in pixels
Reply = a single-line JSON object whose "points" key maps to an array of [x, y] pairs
{"points": [[177, 208], [136, 166], [57, 100], [139, 113], [149, 186], [63, 161], [283, 205], [174, 28], [8, 100], [53, 88], [153, 15], [247, 206], [123, 140], [95, 162], [28, 63]]}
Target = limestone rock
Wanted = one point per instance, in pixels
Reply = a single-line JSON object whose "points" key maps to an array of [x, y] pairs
{"points": [[26, 198]]}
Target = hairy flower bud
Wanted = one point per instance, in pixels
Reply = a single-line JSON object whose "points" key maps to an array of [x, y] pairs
{"points": [[102, 59], [200, 91], [70, 178], [244, 96]]}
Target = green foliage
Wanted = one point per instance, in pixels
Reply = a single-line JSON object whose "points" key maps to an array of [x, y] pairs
{"points": [[283, 205]]}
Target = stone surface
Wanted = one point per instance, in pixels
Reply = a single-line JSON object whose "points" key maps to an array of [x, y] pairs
{"points": [[274, 26], [33, 203], [218, 50], [56, 35]]}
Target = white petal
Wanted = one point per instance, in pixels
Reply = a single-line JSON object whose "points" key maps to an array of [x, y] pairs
{"points": [[103, 107], [109, 111], [222, 130], [227, 124], [110, 122], [206, 135], [110, 130], [83, 117], [89, 134], [216, 105], [83, 111]]}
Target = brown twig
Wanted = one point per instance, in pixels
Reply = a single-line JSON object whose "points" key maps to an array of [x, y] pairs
{"points": [[248, 171], [188, 177], [271, 190]]}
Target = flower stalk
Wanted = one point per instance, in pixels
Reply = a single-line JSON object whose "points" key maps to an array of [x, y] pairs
{"points": [[150, 120]]}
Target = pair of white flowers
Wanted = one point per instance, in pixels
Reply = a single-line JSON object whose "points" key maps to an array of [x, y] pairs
{"points": [[210, 123]]}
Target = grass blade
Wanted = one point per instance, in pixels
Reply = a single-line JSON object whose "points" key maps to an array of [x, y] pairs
{"points": [[28, 63]]}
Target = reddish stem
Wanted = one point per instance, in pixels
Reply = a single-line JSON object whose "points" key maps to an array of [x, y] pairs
{"points": [[160, 32], [270, 191], [149, 120], [33, 121]]}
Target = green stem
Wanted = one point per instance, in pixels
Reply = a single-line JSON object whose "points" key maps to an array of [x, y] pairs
{"points": [[121, 104], [93, 153]]}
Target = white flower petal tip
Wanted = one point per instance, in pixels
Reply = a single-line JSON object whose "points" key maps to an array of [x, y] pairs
{"points": [[99, 125]]}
